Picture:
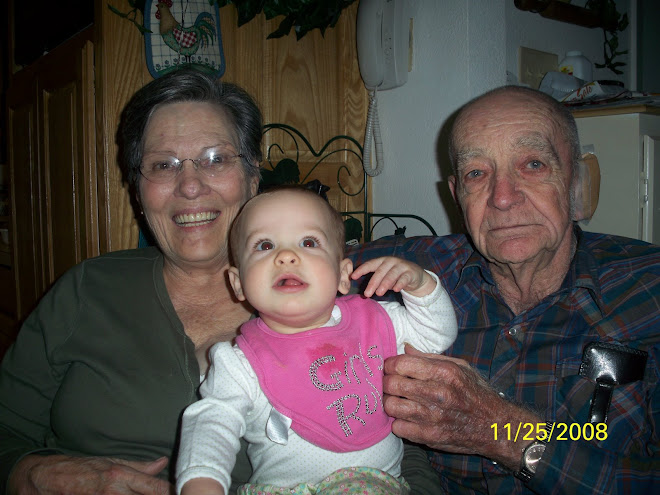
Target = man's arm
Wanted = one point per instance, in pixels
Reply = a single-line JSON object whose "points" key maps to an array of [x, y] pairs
{"points": [[443, 403], [580, 467]]}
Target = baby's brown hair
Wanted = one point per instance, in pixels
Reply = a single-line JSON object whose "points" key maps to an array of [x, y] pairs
{"points": [[337, 235]]}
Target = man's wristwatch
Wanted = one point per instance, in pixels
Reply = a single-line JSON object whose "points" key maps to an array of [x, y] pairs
{"points": [[531, 455]]}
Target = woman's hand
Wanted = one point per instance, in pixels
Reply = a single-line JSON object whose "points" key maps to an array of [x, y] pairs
{"points": [[444, 403], [391, 273], [51, 474]]}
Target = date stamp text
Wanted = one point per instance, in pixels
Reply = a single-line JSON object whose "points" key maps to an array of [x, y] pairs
{"points": [[559, 431]]}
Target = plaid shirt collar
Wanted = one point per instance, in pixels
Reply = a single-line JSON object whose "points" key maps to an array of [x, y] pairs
{"points": [[582, 273]]}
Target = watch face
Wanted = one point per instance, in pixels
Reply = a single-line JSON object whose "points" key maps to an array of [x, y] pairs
{"points": [[533, 455]]}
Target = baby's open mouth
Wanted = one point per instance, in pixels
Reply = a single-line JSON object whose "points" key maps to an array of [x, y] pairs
{"points": [[288, 282]]}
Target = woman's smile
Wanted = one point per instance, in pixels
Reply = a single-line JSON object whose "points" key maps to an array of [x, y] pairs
{"points": [[195, 219]]}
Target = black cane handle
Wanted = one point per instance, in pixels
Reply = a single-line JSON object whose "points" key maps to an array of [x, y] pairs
{"points": [[610, 365]]}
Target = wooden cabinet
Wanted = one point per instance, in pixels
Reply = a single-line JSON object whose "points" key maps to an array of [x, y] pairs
{"points": [[8, 320], [68, 200], [51, 140], [628, 149]]}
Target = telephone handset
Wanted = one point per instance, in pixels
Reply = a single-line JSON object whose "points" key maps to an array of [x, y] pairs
{"points": [[382, 45]]}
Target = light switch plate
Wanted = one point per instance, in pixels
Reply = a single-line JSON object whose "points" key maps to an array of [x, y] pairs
{"points": [[534, 64]]}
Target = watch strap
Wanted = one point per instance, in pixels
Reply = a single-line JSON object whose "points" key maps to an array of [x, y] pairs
{"points": [[524, 474]]}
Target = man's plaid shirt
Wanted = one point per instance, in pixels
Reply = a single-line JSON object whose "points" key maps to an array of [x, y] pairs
{"points": [[610, 294]]}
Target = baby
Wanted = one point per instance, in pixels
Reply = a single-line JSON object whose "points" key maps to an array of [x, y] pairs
{"points": [[303, 384]]}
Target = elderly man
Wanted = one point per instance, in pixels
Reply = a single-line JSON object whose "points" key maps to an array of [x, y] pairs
{"points": [[552, 384]]}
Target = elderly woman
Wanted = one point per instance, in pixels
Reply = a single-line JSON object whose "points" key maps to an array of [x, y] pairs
{"points": [[92, 391]]}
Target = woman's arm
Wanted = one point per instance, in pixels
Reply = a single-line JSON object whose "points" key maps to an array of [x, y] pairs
{"points": [[418, 472], [30, 379], [28, 384]]}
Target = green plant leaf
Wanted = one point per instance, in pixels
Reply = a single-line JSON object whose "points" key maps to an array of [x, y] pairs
{"points": [[285, 172], [130, 16], [610, 17], [283, 29], [138, 4], [353, 229], [302, 15], [119, 13]]}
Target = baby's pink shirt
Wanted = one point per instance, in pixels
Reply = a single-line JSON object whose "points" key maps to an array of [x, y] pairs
{"points": [[328, 380]]}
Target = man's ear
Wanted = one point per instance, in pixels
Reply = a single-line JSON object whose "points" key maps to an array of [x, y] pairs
{"points": [[585, 187], [345, 270], [235, 281]]}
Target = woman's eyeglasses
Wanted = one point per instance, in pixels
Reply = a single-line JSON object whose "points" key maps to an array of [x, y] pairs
{"points": [[161, 168]]}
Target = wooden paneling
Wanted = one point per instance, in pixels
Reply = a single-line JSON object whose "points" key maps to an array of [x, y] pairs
{"points": [[53, 178], [22, 146], [67, 119], [313, 85], [7, 292], [8, 328], [120, 71]]}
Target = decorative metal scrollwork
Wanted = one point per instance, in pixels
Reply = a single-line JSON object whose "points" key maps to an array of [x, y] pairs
{"points": [[281, 166]]}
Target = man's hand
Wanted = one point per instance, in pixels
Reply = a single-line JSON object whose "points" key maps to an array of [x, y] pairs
{"points": [[56, 474], [391, 273], [443, 403]]}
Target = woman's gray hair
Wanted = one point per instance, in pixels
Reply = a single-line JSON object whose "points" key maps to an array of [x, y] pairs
{"points": [[189, 85]]}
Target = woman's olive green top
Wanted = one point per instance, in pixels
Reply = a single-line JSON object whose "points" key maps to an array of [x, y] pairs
{"points": [[102, 367]]}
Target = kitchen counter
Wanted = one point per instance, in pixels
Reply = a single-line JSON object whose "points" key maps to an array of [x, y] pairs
{"points": [[598, 110], [644, 104]]}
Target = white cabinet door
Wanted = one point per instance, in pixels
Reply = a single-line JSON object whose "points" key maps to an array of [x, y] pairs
{"points": [[629, 189], [651, 189]]}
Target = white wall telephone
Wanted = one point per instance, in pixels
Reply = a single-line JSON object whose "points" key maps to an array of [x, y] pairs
{"points": [[382, 45]]}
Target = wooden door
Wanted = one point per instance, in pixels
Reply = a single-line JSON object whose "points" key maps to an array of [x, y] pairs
{"points": [[67, 138], [51, 150], [22, 145]]}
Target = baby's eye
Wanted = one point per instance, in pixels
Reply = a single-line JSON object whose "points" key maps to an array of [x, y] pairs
{"points": [[309, 242], [264, 246]]}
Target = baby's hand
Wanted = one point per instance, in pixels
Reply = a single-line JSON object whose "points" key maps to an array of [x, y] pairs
{"points": [[390, 273]]}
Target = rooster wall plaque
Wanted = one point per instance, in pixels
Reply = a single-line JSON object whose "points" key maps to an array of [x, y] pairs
{"points": [[183, 32]]}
